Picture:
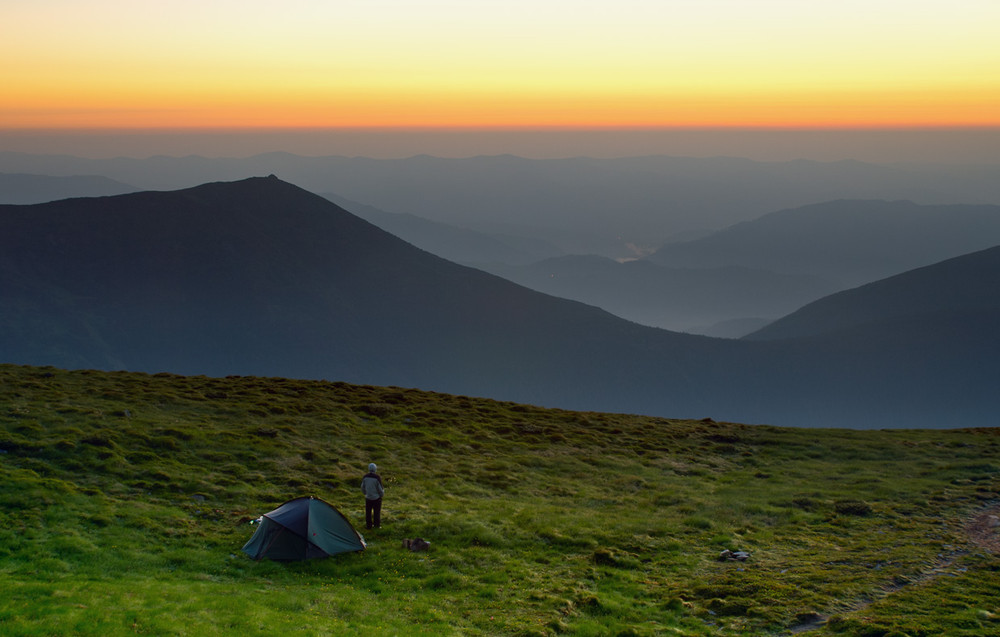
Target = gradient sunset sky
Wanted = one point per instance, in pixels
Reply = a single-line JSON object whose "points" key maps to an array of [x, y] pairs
{"points": [[72, 64]]}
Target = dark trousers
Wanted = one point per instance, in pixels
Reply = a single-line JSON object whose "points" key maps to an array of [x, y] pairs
{"points": [[373, 513]]}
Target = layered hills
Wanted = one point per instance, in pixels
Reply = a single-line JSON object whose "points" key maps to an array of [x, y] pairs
{"points": [[613, 207], [730, 282], [850, 242], [682, 299], [451, 242], [259, 277], [17, 188]]}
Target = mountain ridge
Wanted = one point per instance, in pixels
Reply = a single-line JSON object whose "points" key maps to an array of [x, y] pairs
{"points": [[846, 240], [965, 283], [461, 245], [23, 188], [653, 197], [260, 277], [398, 319]]}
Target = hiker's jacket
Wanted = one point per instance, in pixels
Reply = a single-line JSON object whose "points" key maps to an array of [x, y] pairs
{"points": [[371, 486]]}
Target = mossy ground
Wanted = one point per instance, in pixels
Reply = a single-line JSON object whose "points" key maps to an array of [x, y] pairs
{"points": [[124, 501]]}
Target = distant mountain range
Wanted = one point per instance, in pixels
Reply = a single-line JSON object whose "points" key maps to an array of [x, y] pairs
{"points": [[454, 243], [27, 189], [710, 301], [260, 277], [730, 282], [529, 220], [617, 208], [850, 242]]}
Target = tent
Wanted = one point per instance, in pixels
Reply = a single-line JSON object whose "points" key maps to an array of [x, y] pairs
{"points": [[303, 528]]}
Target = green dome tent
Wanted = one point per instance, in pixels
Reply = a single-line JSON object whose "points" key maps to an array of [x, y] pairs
{"points": [[301, 529]]}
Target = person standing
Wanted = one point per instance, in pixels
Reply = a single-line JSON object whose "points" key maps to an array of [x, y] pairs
{"points": [[371, 486]]}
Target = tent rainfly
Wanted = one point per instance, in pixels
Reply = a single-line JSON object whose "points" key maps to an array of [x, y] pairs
{"points": [[301, 529]]}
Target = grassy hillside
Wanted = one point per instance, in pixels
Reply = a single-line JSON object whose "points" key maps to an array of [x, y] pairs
{"points": [[125, 498]]}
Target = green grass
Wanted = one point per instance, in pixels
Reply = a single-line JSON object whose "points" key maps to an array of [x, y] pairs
{"points": [[125, 499]]}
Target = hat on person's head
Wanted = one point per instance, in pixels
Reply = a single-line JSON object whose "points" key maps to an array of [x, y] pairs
{"points": [[372, 468]]}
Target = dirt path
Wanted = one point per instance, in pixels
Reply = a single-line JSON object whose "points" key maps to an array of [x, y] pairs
{"points": [[982, 530]]}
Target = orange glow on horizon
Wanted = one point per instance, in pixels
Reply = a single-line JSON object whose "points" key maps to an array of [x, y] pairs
{"points": [[801, 112], [256, 107], [112, 64]]}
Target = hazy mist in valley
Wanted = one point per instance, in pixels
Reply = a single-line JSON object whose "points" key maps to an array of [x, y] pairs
{"points": [[545, 262]]}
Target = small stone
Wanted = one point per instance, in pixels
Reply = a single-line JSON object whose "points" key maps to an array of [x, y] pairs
{"points": [[731, 556]]}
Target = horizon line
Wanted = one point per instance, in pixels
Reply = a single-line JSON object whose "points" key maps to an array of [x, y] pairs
{"points": [[500, 128]]}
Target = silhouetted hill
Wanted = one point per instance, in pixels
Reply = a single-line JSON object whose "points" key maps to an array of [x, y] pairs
{"points": [[28, 189], [259, 277], [680, 299], [614, 207], [965, 285], [852, 242]]}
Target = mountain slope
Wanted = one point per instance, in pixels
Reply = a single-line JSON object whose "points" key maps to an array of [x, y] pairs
{"points": [[454, 243], [962, 285], [852, 242], [260, 277]]}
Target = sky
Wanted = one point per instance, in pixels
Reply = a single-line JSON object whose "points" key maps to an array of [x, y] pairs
{"points": [[489, 65]]}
